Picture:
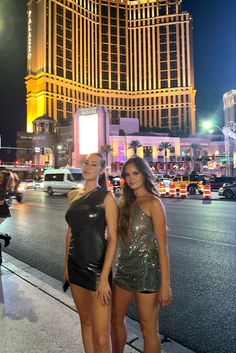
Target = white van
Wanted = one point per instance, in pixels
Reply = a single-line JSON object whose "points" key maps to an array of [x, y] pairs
{"points": [[62, 180]]}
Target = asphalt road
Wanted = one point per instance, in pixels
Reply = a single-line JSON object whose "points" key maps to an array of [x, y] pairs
{"points": [[202, 246]]}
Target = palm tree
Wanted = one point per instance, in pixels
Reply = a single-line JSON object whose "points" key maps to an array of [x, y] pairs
{"points": [[195, 148], [106, 149], [134, 144], [165, 146]]}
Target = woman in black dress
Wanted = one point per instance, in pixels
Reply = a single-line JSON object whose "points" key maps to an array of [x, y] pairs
{"points": [[4, 187], [90, 250], [4, 209]]}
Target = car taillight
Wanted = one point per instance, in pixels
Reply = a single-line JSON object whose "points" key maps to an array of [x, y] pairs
{"points": [[122, 182]]}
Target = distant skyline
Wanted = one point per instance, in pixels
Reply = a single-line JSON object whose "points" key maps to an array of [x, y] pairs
{"points": [[214, 44]]}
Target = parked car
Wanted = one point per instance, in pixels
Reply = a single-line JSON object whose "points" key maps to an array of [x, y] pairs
{"points": [[193, 184], [29, 184], [218, 182], [39, 184], [228, 190]]}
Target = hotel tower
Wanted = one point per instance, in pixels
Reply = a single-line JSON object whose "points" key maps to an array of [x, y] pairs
{"points": [[135, 57]]}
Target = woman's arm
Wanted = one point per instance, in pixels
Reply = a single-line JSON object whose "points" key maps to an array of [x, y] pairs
{"points": [[68, 237], [111, 214], [159, 222]]}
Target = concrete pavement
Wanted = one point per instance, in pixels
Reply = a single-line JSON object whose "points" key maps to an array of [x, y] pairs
{"points": [[36, 316]]}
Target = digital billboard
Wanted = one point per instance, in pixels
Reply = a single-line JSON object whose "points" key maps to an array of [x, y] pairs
{"points": [[88, 133]]}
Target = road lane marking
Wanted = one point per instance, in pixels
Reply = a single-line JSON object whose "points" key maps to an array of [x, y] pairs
{"points": [[201, 240]]}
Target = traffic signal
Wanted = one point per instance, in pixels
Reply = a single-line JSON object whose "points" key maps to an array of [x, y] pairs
{"points": [[42, 150], [16, 163]]}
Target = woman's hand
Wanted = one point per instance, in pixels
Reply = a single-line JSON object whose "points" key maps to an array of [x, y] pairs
{"points": [[103, 292], [165, 295]]}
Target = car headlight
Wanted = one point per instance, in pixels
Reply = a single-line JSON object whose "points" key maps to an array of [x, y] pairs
{"points": [[20, 188]]}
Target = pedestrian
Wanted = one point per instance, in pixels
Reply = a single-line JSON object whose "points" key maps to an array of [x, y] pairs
{"points": [[90, 250], [143, 261], [4, 208]]}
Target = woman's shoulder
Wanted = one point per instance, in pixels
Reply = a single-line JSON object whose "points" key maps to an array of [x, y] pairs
{"points": [[110, 197], [151, 202], [75, 194], [156, 206]]}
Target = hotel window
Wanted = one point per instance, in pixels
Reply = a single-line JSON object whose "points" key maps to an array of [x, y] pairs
{"points": [[164, 113], [164, 122], [172, 37], [163, 75], [163, 47], [105, 38], [164, 65], [163, 38], [174, 122], [162, 29], [162, 10], [59, 61], [164, 84], [172, 28], [172, 46], [163, 56]]}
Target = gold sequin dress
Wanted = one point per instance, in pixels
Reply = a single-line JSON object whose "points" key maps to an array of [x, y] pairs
{"points": [[137, 262]]}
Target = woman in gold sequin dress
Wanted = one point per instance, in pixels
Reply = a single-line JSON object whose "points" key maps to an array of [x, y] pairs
{"points": [[89, 254], [143, 261]]}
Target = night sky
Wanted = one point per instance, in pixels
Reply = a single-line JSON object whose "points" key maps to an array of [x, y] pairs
{"points": [[214, 31]]}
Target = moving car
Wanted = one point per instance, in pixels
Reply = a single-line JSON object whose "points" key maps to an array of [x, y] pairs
{"points": [[217, 182], [17, 192], [228, 190], [62, 180]]}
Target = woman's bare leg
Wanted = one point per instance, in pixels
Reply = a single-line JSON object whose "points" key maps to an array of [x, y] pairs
{"points": [[82, 299], [101, 325], [148, 309], [120, 301], [95, 320]]}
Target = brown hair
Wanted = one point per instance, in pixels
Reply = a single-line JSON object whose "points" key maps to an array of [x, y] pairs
{"points": [[128, 196]]}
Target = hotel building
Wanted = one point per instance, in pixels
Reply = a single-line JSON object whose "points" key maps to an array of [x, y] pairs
{"points": [[229, 101], [132, 56]]}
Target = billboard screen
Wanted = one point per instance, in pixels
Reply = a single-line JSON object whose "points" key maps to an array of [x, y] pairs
{"points": [[88, 133]]}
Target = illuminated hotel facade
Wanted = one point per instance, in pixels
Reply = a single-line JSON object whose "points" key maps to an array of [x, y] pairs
{"points": [[135, 57]]}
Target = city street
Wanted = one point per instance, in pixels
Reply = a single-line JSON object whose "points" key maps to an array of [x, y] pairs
{"points": [[202, 246]]}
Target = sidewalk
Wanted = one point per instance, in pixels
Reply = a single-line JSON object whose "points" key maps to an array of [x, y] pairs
{"points": [[36, 316]]}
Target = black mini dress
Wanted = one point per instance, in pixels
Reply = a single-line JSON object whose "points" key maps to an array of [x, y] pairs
{"points": [[4, 209], [86, 218]]}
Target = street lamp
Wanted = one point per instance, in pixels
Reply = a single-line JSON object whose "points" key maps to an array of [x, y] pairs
{"points": [[208, 125]]}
